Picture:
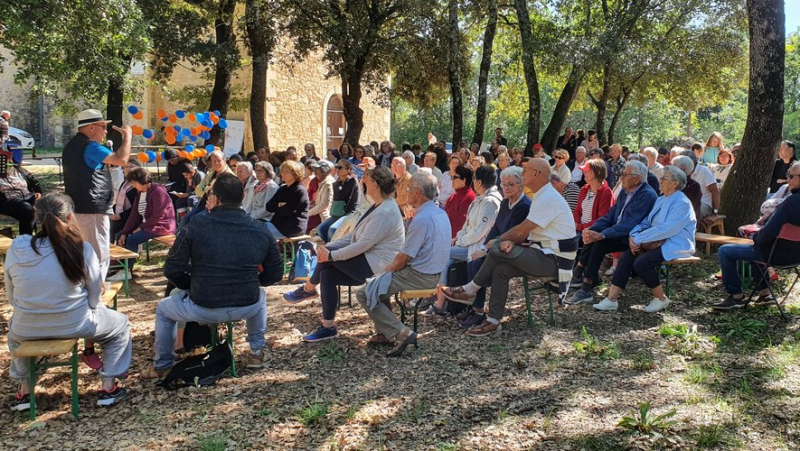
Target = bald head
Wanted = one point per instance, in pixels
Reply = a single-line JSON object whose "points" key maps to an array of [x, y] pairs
{"points": [[536, 174]]}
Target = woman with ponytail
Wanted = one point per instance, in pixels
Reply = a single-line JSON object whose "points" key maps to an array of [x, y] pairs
{"points": [[54, 284]]}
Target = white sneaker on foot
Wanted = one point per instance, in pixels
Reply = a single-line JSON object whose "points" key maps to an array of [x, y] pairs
{"points": [[119, 277], [657, 305], [606, 305], [610, 271]]}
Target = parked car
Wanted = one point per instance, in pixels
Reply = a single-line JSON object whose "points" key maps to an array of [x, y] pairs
{"points": [[24, 139]]}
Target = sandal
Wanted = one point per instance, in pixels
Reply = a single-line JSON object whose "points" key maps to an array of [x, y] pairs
{"points": [[400, 346]]}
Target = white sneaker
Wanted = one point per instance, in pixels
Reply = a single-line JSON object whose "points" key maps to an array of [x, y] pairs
{"points": [[119, 277], [610, 271], [606, 305], [657, 305]]}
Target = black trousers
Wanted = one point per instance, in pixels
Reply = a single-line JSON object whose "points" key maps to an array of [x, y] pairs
{"points": [[592, 254], [22, 211], [329, 275], [645, 264]]}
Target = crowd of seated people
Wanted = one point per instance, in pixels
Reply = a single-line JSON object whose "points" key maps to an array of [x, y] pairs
{"points": [[397, 223]]}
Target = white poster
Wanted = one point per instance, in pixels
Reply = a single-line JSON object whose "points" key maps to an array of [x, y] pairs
{"points": [[234, 138]]}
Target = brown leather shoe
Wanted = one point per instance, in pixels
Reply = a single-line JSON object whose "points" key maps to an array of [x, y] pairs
{"points": [[483, 329], [153, 373], [457, 294]]}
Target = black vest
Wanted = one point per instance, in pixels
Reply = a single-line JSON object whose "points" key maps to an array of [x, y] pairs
{"points": [[91, 190]]}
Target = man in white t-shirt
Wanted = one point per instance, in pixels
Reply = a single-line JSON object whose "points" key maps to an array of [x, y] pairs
{"points": [[709, 203], [541, 246]]}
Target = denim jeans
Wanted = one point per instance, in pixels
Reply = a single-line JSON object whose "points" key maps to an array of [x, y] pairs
{"points": [[188, 216], [133, 241], [325, 230], [457, 253], [729, 255], [179, 308], [274, 231]]}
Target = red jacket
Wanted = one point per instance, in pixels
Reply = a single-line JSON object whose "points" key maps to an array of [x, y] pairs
{"points": [[456, 208], [602, 204]]}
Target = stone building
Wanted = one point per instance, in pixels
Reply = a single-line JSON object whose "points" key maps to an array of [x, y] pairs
{"points": [[302, 106]]}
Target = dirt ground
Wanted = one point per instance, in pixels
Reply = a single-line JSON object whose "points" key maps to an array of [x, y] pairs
{"points": [[731, 381]]}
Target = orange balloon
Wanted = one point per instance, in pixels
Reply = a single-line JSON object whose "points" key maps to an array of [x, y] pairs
{"points": [[183, 154], [138, 115], [173, 118], [170, 139], [196, 153], [214, 118], [137, 130], [158, 156], [192, 117], [143, 157], [203, 152], [161, 113]]}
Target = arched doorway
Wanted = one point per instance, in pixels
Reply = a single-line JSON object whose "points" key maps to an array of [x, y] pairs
{"points": [[335, 123]]}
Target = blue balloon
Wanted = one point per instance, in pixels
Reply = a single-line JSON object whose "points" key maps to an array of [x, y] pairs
{"points": [[177, 128], [216, 112], [189, 147], [151, 156], [133, 109], [223, 124], [165, 119], [205, 135], [180, 113], [148, 134], [186, 132], [208, 123], [193, 138], [200, 117], [210, 147]]}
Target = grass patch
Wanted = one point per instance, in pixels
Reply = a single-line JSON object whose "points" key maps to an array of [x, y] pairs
{"points": [[314, 413], [447, 447], [744, 332], [592, 347], [643, 360], [643, 421], [217, 441], [264, 412], [685, 340], [331, 353], [700, 373]]}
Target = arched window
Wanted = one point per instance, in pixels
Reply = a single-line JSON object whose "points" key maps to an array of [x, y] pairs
{"points": [[336, 124]]}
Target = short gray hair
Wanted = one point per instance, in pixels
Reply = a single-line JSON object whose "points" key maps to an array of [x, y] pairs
{"points": [[399, 160], [501, 149], [639, 169], [580, 149], [690, 154], [640, 158], [677, 174], [512, 172], [554, 177], [426, 184], [684, 163], [409, 154], [247, 165], [267, 168]]}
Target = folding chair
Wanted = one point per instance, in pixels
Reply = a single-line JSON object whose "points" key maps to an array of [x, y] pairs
{"points": [[790, 233]]}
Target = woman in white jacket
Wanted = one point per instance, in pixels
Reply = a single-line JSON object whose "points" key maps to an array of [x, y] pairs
{"points": [[480, 218], [322, 203], [350, 261]]}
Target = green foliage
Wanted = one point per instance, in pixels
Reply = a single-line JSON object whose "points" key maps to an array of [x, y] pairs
{"points": [[71, 51], [711, 436], [747, 330], [699, 374], [217, 441], [643, 421], [197, 97], [592, 347], [685, 340], [314, 412], [643, 360], [331, 353]]}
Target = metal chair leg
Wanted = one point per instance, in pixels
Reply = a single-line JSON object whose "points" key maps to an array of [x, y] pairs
{"points": [[528, 301], [33, 367], [74, 380]]}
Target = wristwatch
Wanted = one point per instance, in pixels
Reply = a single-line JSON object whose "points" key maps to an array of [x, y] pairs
{"points": [[716, 211]]}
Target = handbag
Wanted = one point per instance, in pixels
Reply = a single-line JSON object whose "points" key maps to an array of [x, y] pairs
{"points": [[337, 208], [652, 245]]}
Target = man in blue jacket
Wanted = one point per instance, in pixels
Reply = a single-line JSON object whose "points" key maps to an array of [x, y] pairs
{"points": [[610, 233], [788, 212], [219, 262]]}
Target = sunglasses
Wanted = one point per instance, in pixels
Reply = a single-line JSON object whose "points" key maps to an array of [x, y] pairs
{"points": [[456, 177], [560, 158], [340, 167]]}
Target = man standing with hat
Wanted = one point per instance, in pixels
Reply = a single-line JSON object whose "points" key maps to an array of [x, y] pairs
{"points": [[87, 179]]}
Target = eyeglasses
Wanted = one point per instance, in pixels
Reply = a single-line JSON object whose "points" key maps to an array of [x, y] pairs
{"points": [[630, 174], [791, 176], [665, 179], [509, 185], [456, 177]]}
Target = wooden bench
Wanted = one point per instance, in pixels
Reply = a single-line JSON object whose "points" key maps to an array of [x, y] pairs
{"points": [[289, 252], [109, 297], [35, 351], [665, 267], [407, 295], [710, 239], [718, 224], [166, 240], [122, 255], [5, 243]]}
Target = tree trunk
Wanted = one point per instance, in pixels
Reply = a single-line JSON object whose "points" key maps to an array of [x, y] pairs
{"points": [[224, 62], [562, 108], [114, 110], [534, 105], [351, 100], [454, 71], [612, 128], [601, 104], [762, 134], [260, 39], [483, 75]]}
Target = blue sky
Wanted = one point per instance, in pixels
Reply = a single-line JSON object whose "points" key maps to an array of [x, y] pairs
{"points": [[792, 15]]}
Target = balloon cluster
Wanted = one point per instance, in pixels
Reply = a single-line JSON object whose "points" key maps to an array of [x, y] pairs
{"points": [[199, 127]]}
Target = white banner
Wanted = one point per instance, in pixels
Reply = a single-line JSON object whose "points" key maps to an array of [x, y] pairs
{"points": [[234, 138]]}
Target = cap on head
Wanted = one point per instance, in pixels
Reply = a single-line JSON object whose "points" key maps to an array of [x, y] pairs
{"points": [[91, 116], [323, 164]]}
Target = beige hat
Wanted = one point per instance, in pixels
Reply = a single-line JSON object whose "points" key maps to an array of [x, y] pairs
{"points": [[90, 116]]}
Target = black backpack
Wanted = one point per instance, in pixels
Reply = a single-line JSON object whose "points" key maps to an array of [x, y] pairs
{"points": [[196, 335], [201, 370]]}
